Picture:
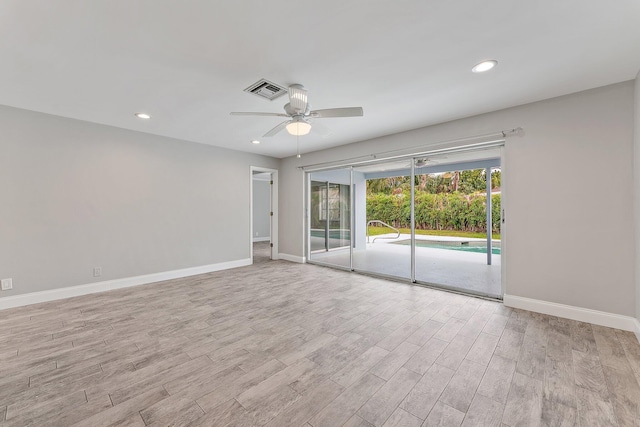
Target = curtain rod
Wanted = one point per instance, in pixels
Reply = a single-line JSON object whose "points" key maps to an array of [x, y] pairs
{"points": [[493, 139]]}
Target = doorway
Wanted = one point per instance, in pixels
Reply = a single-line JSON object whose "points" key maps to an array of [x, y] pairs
{"points": [[264, 216]]}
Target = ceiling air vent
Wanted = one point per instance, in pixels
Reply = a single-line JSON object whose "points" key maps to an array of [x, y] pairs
{"points": [[266, 89]]}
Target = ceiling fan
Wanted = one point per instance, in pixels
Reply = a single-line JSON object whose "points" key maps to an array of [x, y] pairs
{"points": [[301, 116], [426, 161]]}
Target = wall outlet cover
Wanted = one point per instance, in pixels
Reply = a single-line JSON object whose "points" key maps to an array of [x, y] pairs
{"points": [[6, 284]]}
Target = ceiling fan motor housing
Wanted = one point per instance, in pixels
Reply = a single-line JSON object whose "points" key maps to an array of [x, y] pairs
{"points": [[298, 98], [291, 111]]}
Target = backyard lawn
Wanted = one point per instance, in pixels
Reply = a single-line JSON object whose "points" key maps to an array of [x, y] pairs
{"points": [[375, 231]]}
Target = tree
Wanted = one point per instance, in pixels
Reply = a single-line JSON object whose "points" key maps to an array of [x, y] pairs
{"points": [[466, 182], [455, 181], [377, 186], [496, 178], [472, 181]]}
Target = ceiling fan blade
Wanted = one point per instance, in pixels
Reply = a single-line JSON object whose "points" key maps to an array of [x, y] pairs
{"points": [[298, 98], [258, 114], [276, 129], [338, 112], [320, 129]]}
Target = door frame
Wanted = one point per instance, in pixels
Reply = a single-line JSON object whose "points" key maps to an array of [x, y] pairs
{"points": [[273, 207]]}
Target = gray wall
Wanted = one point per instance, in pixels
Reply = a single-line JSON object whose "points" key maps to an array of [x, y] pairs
{"points": [[76, 195], [261, 209], [568, 200]]}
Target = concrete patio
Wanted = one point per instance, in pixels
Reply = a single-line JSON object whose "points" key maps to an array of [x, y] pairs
{"points": [[465, 271]]}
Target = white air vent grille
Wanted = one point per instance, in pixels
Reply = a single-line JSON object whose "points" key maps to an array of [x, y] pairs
{"points": [[266, 89]]}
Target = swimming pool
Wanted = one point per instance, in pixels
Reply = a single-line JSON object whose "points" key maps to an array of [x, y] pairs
{"points": [[465, 246], [333, 234]]}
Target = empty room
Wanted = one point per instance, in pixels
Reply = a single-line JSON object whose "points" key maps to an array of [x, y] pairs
{"points": [[364, 213]]}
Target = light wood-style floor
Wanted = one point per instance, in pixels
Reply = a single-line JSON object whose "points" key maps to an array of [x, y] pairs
{"points": [[284, 344]]}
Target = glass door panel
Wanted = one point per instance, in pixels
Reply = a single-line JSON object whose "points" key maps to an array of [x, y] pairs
{"points": [[382, 204], [453, 244], [317, 218], [330, 217], [339, 215]]}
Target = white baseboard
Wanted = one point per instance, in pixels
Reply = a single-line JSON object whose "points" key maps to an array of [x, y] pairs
{"points": [[91, 288], [261, 239], [602, 318], [292, 258]]}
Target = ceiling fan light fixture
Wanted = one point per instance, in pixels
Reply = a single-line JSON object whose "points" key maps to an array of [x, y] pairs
{"points": [[484, 66], [298, 127]]}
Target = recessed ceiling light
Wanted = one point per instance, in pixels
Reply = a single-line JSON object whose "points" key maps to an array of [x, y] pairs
{"points": [[143, 116], [484, 66], [255, 141]]}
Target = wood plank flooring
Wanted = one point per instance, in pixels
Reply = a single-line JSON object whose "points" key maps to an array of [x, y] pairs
{"points": [[283, 344]]}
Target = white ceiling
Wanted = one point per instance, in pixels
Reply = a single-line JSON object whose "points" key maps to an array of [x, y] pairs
{"points": [[406, 62]]}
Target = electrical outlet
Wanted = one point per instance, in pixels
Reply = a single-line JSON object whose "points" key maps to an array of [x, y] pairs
{"points": [[256, 234], [6, 284], [97, 271]]}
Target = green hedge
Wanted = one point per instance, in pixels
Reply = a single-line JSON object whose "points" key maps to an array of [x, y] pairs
{"points": [[444, 211]]}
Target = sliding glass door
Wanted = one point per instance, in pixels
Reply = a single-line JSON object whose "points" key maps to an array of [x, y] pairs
{"points": [[432, 220]]}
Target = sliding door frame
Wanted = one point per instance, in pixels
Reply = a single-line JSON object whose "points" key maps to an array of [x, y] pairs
{"points": [[501, 164]]}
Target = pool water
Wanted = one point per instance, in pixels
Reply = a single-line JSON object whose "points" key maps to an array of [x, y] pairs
{"points": [[478, 247], [333, 234]]}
